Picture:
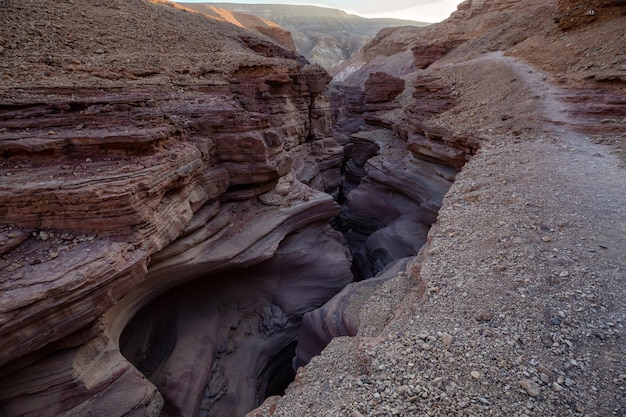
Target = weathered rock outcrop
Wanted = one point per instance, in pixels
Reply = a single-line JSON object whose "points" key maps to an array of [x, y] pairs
{"points": [[234, 322], [145, 166], [174, 185], [397, 167], [381, 88], [340, 316]]}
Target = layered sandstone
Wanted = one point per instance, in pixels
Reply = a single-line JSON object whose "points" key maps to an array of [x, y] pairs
{"points": [[497, 313], [137, 166], [164, 228]]}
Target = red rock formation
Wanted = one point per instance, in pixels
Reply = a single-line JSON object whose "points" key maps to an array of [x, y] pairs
{"points": [[339, 315], [381, 88], [573, 14], [426, 55], [421, 135], [134, 165], [324, 36]]}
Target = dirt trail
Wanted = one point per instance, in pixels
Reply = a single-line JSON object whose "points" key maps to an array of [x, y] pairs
{"points": [[537, 82]]}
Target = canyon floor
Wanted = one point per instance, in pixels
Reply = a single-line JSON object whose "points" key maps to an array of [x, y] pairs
{"points": [[515, 305]]}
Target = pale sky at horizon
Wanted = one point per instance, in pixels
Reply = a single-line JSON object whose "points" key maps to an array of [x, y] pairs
{"points": [[420, 10]]}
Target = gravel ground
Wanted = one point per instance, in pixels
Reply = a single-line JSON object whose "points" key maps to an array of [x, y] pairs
{"points": [[515, 307]]}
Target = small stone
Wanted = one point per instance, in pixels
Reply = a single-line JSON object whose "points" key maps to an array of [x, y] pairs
{"points": [[546, 239], [43, 236], [484, 315], [546, 371], [557, 387], [271, 199], [564, 274], [99, 51], [447, 339], [88, 160], [475, 374], [530, 387], [484, 401], [555, 321], [53, 255], [356, 413], [283, 189]]}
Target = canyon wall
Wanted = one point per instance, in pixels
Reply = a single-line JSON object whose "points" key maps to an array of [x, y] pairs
{"points": [[163, 209], [515, 93], [165, 198]]}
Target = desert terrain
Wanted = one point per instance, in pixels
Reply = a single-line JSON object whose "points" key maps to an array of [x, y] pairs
{"points": [[188, 207]]}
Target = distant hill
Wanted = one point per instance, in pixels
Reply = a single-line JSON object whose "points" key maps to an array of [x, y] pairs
{"points": [[251, 22], [324, 36]]}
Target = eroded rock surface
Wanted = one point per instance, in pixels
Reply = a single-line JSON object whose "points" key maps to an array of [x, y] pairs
{"points": [[234, 322], [134, 167], [497, 313], [137, 170]]}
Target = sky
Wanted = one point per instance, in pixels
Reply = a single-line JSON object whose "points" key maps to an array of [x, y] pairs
{"points": [[420, 10]]}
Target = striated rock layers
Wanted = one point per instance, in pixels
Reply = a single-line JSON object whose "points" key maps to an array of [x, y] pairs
{"points": [[504, 84], [164, 225], [396, 170]]}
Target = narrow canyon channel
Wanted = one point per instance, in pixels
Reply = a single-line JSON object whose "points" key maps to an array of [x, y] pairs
{"points": [[241, 328], [196, 219]]}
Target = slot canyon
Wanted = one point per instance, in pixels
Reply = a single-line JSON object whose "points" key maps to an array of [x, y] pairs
{"points": [[197, 221]]}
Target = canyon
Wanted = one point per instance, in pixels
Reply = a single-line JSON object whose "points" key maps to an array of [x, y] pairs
{"points": [[196, 221]]}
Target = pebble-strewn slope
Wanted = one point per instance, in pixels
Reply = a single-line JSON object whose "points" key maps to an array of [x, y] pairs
{"points": [[514, 306]]}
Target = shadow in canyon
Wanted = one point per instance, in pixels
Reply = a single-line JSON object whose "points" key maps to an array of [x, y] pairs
{"points": [[239, 329]]}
